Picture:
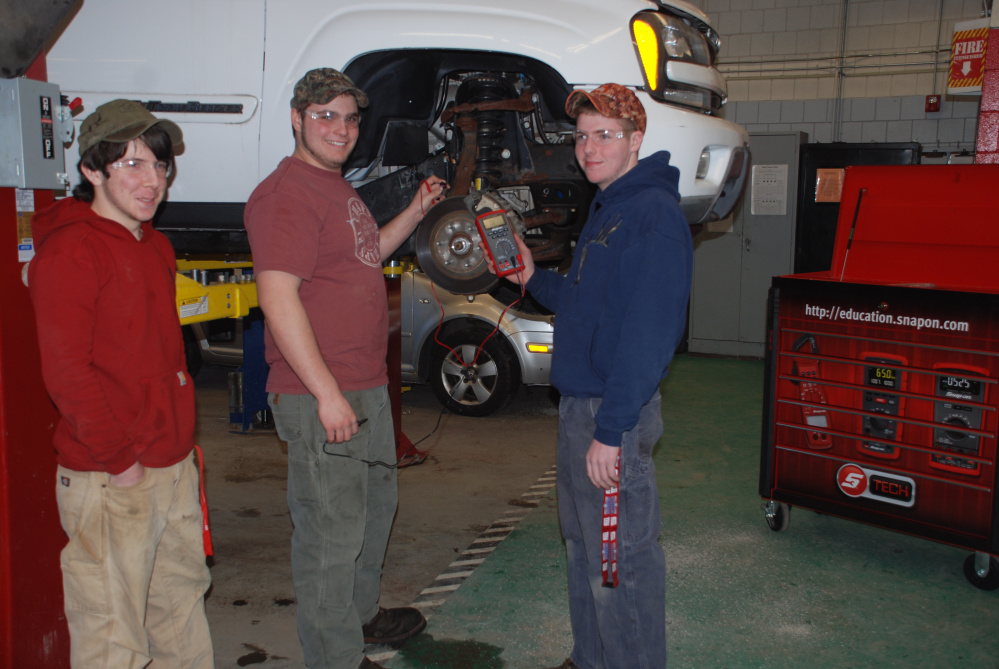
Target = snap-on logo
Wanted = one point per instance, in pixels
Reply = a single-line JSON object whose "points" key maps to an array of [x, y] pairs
{"points": [[852, 480], [857, 481]]}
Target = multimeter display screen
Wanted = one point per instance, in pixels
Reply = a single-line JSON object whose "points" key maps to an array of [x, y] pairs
{"points": [[493, 222], [884, 377], [959, 384]]}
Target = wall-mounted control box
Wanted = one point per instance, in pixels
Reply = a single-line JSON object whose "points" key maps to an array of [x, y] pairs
{"points": [[33, 128]]}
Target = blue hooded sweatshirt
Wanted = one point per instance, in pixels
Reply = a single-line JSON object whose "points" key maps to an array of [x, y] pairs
{"points": [[620, 312]]}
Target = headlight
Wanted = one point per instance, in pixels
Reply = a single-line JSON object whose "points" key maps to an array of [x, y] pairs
{"points": [[679, 40], [677, 61], [677, 45]]}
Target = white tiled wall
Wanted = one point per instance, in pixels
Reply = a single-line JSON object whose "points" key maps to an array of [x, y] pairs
{"points": [[791, 65]]}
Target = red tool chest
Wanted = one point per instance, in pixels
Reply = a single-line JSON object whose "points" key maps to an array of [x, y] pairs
{"points": [[882, 374]]}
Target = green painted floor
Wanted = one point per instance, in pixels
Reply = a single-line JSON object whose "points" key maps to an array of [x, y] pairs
{"points": [[824, 593]]}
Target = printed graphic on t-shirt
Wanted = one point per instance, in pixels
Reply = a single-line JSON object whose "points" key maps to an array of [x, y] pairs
{"points": [[365, 233]]}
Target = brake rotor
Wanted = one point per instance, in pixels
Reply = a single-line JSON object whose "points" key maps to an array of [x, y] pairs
{"points": [[447, 245]]}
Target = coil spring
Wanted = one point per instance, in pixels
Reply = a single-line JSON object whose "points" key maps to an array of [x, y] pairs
{"points": [[491, 125]]}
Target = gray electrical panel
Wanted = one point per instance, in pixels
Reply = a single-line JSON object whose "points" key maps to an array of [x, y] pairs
{"points": [[31, 135]]}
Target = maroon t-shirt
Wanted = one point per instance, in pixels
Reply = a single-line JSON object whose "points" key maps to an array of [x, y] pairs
{"points": [[310, 222]]}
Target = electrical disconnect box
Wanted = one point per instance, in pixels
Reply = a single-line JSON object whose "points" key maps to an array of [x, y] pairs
{"points": [[33, 128]]}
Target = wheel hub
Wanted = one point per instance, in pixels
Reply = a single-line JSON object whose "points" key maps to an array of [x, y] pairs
{"points": [[456, 248], [461, 244], [448, 249]]}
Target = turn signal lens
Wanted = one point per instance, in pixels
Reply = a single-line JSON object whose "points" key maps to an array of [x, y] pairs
{"points": [[538, 348], [647, 44]]}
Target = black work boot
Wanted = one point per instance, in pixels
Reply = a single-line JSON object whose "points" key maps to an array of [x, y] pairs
{"points": [[368, 664], [392, 627]]}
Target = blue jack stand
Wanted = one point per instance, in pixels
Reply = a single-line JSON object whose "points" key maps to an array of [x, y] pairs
{"points": [[247, 394]]}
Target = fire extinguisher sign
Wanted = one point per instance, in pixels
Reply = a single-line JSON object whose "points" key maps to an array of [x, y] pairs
{"points": [[856, 481], [967, 57]]}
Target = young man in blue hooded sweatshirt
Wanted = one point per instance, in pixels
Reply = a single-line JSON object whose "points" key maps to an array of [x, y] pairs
{"points": [[620, 314]]}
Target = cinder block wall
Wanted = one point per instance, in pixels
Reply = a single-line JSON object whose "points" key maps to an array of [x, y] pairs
{"points": [[846, 71]]}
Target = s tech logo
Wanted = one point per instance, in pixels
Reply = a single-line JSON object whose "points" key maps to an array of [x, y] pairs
{"points": [[852, 480], [856, 481]]}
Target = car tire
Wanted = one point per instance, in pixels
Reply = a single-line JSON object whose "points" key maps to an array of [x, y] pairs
{"points": [[471, 382]]}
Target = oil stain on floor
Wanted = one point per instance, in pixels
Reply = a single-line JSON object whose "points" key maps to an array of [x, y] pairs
{"points": [[426, 651]]}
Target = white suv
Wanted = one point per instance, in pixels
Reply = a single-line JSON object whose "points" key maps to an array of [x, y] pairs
{"points": [[470, 90]]}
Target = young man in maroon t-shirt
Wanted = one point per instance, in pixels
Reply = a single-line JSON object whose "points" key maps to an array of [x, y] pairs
{"points": [[317, 255]]}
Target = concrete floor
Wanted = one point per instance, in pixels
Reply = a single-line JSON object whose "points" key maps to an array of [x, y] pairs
{"points": [[477, 471], [824, 593]]}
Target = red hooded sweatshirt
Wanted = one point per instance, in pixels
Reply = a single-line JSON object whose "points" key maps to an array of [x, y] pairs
{"points": [[112, 351]]}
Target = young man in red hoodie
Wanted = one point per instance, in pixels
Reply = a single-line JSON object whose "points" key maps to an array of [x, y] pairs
{"points": [[103, 288]]}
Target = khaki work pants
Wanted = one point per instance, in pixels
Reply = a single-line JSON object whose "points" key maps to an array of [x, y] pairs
{"points": [[134, 572]]}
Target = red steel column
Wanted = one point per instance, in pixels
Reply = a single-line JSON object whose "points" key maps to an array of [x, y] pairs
{"points": [[987, 141], [33, 630]]}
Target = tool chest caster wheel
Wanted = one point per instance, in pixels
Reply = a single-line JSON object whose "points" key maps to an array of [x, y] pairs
{"points": [[778, 515], [982, 571]]}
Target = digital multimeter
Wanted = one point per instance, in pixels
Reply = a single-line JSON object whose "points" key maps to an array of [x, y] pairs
{"points": [[497, 234], [880, 375], [956, 410]]}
